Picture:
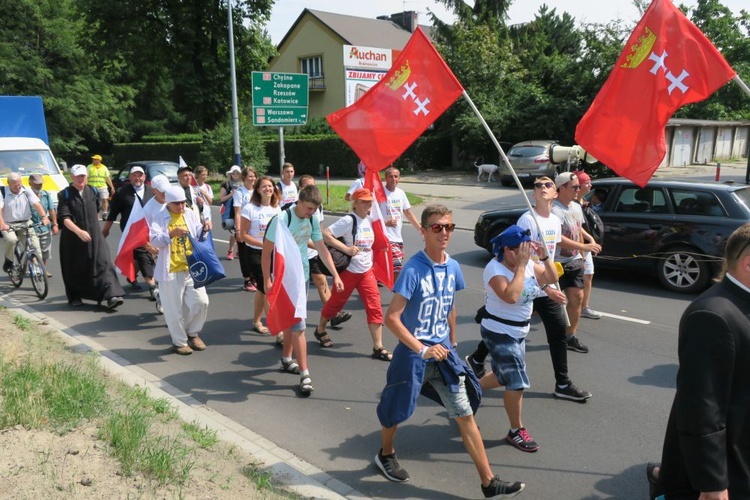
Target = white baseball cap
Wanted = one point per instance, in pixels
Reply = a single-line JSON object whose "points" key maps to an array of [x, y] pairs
{"points": [[137, 169], [160, 183], [235, 168], [77, 170]]}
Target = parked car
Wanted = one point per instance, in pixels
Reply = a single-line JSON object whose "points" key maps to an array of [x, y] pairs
{"points": [[676, 229], [151, 167], [529, 159]]}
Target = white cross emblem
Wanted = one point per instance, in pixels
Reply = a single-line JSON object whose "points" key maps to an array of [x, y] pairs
{"points": [[422, 106], [658, 62], [409, 91], [676, 81]]}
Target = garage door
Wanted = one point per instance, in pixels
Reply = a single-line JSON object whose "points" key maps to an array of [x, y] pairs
{"points": [[705, 152], [682, 148]]}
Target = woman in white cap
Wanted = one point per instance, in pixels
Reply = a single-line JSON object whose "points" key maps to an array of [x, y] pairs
{"points": [[85, 262], [185, 307]]}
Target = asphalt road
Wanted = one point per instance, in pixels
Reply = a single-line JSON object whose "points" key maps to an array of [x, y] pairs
{"points": [[593, 450]]}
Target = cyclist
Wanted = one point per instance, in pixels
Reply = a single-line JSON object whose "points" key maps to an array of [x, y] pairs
{"points": [[15, 211], [44, 233]]}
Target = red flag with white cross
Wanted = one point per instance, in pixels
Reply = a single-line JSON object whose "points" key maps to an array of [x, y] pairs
{"points": [[667, 63], [385, 121]]}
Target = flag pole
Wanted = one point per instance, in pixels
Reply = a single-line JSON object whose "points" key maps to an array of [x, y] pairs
{"points": [[518, 183], [742, 84]]}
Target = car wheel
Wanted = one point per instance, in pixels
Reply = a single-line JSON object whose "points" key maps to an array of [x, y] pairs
{"points": [[683, 270]]}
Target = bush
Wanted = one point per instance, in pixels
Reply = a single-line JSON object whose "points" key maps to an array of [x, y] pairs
{"points": [[309, 152], [217, 151]]}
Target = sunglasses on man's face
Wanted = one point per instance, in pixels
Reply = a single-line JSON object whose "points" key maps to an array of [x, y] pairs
{"points": [[437, 228], [540, 185]]}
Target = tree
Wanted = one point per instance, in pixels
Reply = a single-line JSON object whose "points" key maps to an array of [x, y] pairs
{"points": [[175, 54], [41, 54], [729, 33]]}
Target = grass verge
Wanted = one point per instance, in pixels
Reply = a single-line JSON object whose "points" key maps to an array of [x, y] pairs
{"points": [[47, 390]]}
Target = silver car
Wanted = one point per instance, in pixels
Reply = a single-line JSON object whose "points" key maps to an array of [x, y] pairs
{"points": [[530, 159]]}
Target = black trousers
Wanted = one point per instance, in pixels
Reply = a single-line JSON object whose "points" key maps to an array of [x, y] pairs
{"points": [[553, 319], [243, 251]]}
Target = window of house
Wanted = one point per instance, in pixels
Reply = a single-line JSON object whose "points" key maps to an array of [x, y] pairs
{"points": [[313, 66]]}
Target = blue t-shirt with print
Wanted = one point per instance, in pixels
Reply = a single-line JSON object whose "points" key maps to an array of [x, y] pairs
{"points": [[430, 290]]}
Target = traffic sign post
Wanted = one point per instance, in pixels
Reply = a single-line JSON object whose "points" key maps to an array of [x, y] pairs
{"points": [[279, 99]]}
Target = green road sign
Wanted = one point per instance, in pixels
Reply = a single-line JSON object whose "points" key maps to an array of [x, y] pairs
{"points": [[279, 99]]}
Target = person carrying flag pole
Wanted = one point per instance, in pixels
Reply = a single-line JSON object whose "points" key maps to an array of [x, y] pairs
{"points": [[287, 285]]}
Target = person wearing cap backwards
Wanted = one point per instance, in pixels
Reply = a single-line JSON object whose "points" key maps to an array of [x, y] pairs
{"points": [[15, 216], [100, 179], [122, 204], [588, 259], [43, 232], [86, 265], [511, 283], [358, 273], [575, 241], [185, 307], [422, 316]]}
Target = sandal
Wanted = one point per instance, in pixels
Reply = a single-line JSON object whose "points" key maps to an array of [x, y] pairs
{"points": [[341, 317], [323, 339], [381, 354], [290, 367], [305, 385], [259, 328]]}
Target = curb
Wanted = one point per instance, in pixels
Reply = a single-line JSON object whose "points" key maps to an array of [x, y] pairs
{"points": [[290, 471]]}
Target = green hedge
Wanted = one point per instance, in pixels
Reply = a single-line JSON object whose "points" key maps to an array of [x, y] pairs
{"points": [[307, 153], [161, 138], [169, 151]]}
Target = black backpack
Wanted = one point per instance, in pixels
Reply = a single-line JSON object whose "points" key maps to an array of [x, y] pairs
{"points": [[340, 259], [593, 223]]}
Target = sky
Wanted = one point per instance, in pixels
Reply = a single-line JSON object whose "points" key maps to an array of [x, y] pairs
{"points": [[285, 12]]}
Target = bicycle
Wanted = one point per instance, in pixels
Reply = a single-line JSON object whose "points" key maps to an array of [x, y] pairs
{"points": [[28, 261]]}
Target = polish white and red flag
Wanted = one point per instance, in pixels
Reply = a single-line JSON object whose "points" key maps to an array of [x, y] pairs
{"points": [[134, 235], [382, 258], [287, 300]]}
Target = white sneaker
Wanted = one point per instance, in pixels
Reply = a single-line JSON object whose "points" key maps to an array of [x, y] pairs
{"points": [[587, 312], [157, 297]]}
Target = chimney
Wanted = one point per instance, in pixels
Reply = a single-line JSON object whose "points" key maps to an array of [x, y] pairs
{"points": [[407, 20]]}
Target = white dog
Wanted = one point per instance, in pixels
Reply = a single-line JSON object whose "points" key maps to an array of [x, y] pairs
{"points": [[485, 168]]}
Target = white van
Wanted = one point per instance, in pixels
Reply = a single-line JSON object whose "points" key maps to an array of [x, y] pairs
{"points": [[27, 155]]}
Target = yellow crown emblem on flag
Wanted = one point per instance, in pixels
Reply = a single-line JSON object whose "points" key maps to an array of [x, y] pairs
{"points": [[640, 50], [400, 76]]}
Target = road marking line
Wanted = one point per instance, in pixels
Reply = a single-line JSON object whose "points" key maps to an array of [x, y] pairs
{"points": [[625, 318]]}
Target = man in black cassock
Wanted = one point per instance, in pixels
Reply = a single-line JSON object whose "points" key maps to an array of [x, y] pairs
{"points": [[87, 268]]}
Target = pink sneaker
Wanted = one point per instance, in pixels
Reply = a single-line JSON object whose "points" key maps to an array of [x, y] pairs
{"points": [[249, 286], [230, 255]]}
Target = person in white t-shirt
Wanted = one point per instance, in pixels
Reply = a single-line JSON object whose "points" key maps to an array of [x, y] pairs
{"points": [[395, 208], [287, 186], [255, 216], [317, 276], [359, 183], [358, 275], [240, 198]]}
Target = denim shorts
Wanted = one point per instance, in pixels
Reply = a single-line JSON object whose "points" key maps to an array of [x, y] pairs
{"points": [[508, 359], [457, 403]]}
